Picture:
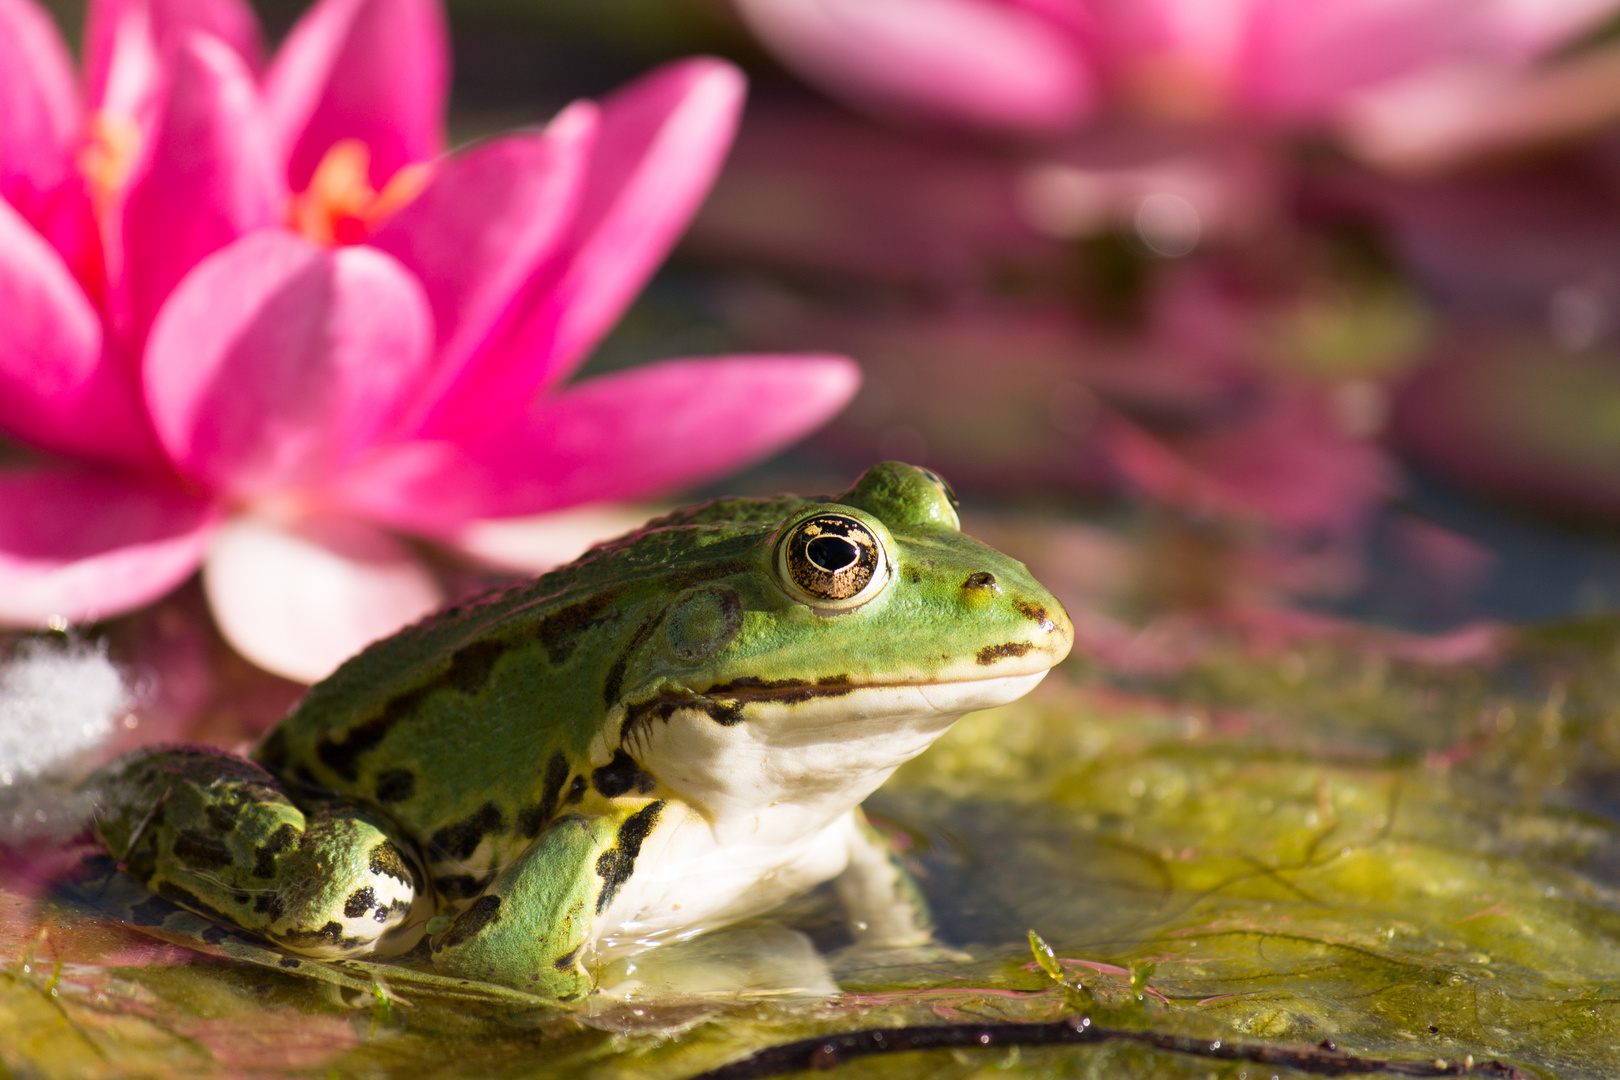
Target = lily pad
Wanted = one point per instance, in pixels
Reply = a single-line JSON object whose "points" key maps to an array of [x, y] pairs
{"points": [[1312, 860]]}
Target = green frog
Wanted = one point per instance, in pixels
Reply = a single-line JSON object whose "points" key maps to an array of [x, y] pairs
{"points": [[672, 733]]}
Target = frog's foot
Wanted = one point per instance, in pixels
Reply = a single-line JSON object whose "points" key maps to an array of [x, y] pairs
{"points": [[219, 836], [886, 909]]}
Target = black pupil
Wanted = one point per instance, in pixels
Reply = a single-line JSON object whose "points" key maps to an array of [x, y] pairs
{"points": [[832, 553]]}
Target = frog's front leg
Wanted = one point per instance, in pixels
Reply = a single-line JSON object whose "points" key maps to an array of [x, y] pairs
{"points": [[220, 836], [885, 907], [531, 926]]}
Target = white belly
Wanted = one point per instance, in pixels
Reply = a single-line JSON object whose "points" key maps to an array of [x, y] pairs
{"points": [[686, 880]]}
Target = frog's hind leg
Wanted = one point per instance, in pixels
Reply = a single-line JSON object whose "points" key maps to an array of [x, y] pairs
{"points": [[219, 835]]}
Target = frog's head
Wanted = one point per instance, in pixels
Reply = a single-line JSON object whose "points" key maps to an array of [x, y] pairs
{"points": [[847, 636]]}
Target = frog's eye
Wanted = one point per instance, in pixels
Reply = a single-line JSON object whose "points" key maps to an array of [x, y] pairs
{"points": [[833, 562]]}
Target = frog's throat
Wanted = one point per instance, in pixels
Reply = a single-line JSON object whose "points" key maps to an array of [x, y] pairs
{"points": [[795, 763]]}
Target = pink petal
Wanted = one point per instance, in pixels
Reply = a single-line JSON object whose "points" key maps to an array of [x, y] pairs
{"points": [[1524, 29], [300, 600], [275, 362], [59, 388], [39, 105], [81, 546], [985, 63], [1301, 60], [484, 236], [628, 435], [210, 177], [662, 141], [373, 70], [231, 21], [124, 60]]}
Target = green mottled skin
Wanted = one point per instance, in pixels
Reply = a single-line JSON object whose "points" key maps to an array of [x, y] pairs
{"points": [[486, 740]]}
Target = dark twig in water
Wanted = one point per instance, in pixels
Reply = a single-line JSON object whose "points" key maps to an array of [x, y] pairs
{"points": [[1327, 1059]]}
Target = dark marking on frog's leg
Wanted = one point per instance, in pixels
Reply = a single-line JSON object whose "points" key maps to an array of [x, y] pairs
{"points": [[342, 755], [1035, 613], [567, 959], [576, 790], [560, 631], [462, 886], [290, 962], [621, 776], [484, 911], [991, 653], [264, 856], [186, 899], [387, 859], [151, 912], [331, 934], [460, 839], [534, 818], [471, 665], [615, 676], [215, 934], [193, 849], [359, 902], [220, 818], [616, 864], [981, 580], [268, 902], [395, 785]]}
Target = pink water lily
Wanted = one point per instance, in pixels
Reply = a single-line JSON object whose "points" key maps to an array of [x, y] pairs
{"points": [[254, 319], [1045, 66]]}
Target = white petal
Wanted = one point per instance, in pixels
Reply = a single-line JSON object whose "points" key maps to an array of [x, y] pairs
{"points": [[299, 600], [540, 542]]}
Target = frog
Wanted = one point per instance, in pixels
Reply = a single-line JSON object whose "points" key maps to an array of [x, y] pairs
{"points": [[668, 735]]}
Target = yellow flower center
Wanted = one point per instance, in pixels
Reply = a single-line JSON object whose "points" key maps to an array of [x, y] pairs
{"points": [[341, 207]]}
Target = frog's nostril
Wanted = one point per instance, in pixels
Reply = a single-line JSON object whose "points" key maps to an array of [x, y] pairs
{"points": [[981, 580]]}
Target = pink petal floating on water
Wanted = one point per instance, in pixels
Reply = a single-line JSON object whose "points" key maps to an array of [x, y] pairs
{"points": [[275, 361], [39, 104], [987, 63], [59, 387], [299, 600], [77, 545], [373, 70], [484, 234], [211, 176], [628, 435]]}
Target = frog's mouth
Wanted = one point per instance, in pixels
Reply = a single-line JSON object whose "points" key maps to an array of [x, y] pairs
{"points": [[736, 751]]}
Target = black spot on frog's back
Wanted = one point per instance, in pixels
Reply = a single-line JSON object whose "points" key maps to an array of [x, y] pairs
{"points": [[470, 665], [560, 631], [532, 819], [341, 751], [395, 785], [460, 839]]}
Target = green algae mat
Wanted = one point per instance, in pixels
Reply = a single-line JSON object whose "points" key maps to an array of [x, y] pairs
{"points": [[1357, 855]]}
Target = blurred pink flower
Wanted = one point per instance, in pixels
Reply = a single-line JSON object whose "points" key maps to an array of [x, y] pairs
{"points": [[1045, 66], [260, 321]]}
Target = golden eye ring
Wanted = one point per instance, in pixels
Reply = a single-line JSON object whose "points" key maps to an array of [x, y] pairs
{"points": [[832, 561]]}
